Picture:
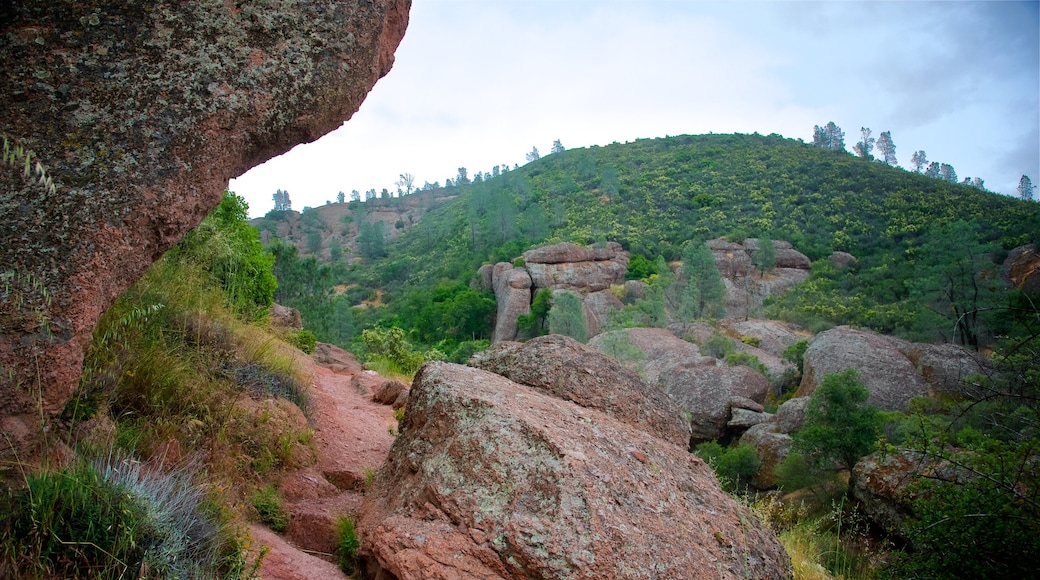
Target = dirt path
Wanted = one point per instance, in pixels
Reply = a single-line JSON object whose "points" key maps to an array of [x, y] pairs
{"points": [[351, 437]]}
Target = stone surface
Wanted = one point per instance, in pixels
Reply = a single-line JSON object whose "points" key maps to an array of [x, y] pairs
{"points": [[660, 350], [565, 368], [889, 375], [335, 358], [943, 366], [513, 295], [391, 392], [704, 393], [740, 418], [141, 112], [790, 416], [774, 336], [842, 259], [745, 286], [285, 317], [772, 448], [598, 307], [1022, 268], [491, 479]]}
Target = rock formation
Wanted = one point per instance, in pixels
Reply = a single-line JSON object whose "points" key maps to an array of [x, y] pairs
{"points": [[564, 368], [588, 272], [1022, 268], [141, 112], [746, 287], [893, 370], [491, 479]]}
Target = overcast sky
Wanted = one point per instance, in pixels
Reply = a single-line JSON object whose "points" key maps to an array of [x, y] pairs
{"points": [[479, 83]]}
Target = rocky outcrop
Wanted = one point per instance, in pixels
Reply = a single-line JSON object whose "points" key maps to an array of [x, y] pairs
{"points": [[746, 288], [707, 394], [773, 336], [650, 351], [491, 479], [393, 393], [589, 272], [285, 317], [336, 359], [842, 259], [772, 448], [893, 370], [564, 368], [141, 112], [1022, 268]]}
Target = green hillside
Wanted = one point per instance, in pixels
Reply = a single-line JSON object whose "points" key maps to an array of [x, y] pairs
{"points": [[655, 194]]}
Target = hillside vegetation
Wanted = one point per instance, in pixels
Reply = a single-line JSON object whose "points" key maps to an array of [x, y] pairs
{"points": [[654, 195]]}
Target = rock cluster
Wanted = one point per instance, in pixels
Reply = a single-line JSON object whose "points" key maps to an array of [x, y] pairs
{"points": [[745, 286], [893, 370], [588, 272], [141, 112], [493, 479]]}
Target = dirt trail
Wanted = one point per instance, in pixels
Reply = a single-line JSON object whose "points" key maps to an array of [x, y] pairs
{"points": [[351, 436]]}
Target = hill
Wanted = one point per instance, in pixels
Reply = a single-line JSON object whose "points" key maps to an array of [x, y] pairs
{"points": [[654, 195]]}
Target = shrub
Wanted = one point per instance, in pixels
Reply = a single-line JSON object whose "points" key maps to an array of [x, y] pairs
{"points": [[717, 345], [734, 466], [347, 544], [268, 504], [302, 339], [748, 360], [839, 426], [795, 354], [750, 340]]}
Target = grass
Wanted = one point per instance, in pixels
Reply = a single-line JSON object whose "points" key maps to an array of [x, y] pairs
{"points": [[268, 504], [347, 545]]}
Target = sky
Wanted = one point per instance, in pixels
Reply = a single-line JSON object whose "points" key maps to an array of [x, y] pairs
{"points": [[479, 83]]}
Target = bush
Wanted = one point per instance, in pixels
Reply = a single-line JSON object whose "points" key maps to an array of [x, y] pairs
{"points": [[717, 345], [347, 544], [110, 517], [748, 360], [268, 504], [302, 339], [839, 426], [734, 466]]}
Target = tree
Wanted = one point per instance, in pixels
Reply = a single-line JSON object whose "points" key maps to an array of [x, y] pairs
{"points": [[829, 136], [887, 148], [281, 200], [947, 173], [533, 155], [567, 317], [933, 170], [701, 292], [956, 280], [534, 324], [557, 147], [355, 195], [341, 197], [819, 138], [978, 183], [865, 145], [371, 239], [765, 255], [405, 184], [839, 426], [462, 178], [919, 160], [1025, 188]]}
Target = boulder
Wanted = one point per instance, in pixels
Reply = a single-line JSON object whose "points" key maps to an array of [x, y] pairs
{"points": [[141, 112], [565, 368], [491, 479], [484, 277], [1022, 268], [335, 358], [889, 375], [654, 350], [943, 366], [582, 277], [790, 416], [285, 317], [743, 418], [391, 392], [774, 336], [842, 259], [704, 393], [772, 448]]}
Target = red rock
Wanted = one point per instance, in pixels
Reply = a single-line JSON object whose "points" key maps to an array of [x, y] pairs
{"points": [[491, 479], [140, 126]]}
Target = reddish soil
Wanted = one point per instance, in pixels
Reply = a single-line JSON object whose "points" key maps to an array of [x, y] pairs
{"points": [[351, 437]]}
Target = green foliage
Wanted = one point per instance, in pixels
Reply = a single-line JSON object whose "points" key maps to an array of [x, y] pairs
{"points": [[640, 268], [764, 257], [734, 466], [535, 323], [717, 345], [748, 360], [701, 293], [347, 545], [839, 427], [567, 317], [795, 354], [111, 517], [389, 346], [302, 339], [268, 504]]}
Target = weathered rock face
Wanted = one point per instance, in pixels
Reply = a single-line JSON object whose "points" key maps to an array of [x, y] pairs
{"points": [[141, 112], [772, 447], [490, 479], [1022, 268], [893, 370], [587, 271], [336, 359], [285, 317], [707, 394], [774, 336], [745, 287], [660, 349], [563, 367]]}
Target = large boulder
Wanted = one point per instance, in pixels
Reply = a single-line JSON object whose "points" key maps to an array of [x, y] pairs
{"points": [[563, 367], [774, 336], [491, 479], [943, 366], [888, 374], [705, 394], [598, 308], [141, 112], [650, 351], [1022, 268], [772, 448], [882, 484]]}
